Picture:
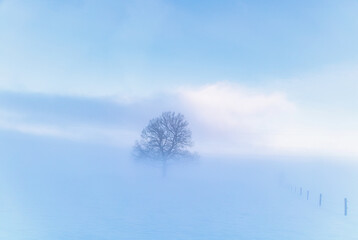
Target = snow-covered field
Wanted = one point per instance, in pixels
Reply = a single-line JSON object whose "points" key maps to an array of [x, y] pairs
{"points": [[60, 190]]}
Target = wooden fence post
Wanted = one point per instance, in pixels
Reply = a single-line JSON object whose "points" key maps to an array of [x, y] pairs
{"points": [[320, 199]]}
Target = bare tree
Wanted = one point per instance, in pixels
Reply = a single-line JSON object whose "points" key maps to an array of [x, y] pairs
{"points": [[165, 138]]}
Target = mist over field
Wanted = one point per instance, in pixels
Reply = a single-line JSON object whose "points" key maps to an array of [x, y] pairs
{"points": [[56, 189]]}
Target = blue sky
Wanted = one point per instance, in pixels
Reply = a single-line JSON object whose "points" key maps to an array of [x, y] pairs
{"points": [[283, 69]]}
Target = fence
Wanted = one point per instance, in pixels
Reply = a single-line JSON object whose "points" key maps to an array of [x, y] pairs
{"points": [[321, 201]]}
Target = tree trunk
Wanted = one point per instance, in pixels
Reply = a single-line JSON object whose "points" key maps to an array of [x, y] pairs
{"points": [[164, 168]]}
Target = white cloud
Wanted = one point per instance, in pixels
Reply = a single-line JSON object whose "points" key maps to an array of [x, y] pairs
{"points": [[233, 119], [232, 105], [230, 119]]}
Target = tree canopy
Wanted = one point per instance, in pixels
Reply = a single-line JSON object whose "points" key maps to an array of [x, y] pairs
{"points": [[165, 137]]}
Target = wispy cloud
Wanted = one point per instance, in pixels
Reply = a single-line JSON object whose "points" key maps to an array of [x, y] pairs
{"points": [[94, 120], [97, 134]]}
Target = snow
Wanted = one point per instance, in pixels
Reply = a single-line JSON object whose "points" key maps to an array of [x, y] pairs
{"points": [[59, 190]]}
